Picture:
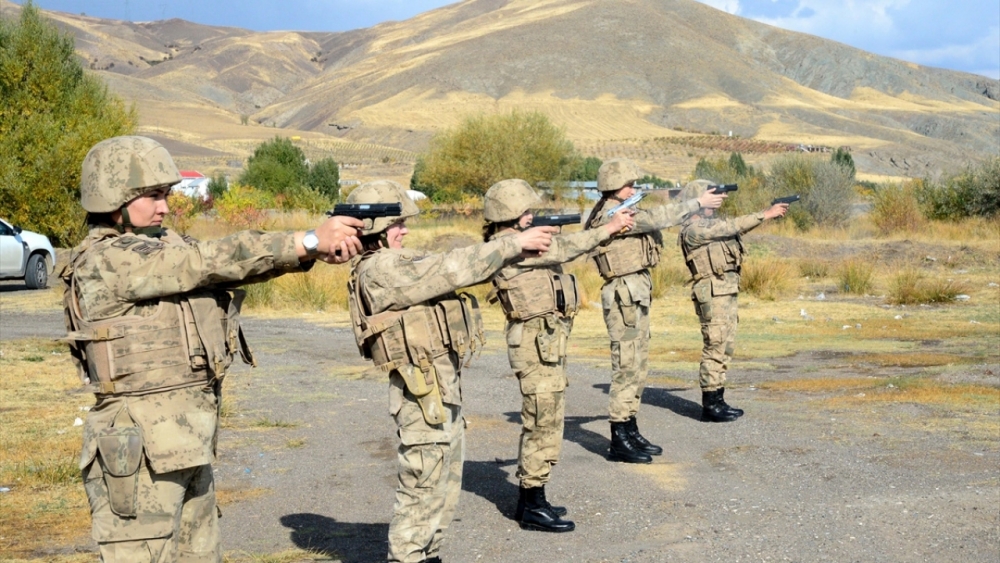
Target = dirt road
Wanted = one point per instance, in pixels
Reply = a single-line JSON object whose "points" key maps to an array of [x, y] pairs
{"points": [[308, 460]]}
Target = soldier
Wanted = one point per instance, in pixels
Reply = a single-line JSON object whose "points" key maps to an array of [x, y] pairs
{"points": [[409, 321], [539, 301], [713, 250], [624, 263], [153, 326]]}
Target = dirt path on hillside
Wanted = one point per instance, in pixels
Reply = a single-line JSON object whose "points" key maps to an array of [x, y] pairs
{"points": [[307, 459]]}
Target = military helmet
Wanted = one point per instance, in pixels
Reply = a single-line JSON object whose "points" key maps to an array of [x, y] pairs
{"points": [[383, 191], [508, 199], [120, 169], [694, 189], [617, 172]]}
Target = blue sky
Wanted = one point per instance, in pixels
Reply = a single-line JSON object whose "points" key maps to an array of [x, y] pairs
{"points": [[957, 34]]}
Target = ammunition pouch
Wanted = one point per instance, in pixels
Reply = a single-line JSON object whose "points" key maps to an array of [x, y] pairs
{"points": [[410, 341], [715, 258], [626, 255]]}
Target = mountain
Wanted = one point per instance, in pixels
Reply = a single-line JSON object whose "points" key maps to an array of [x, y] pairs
{"points": [[663, 81]]}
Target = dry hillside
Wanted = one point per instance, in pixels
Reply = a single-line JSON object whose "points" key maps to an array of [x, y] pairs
{"points": [[642, 78]]}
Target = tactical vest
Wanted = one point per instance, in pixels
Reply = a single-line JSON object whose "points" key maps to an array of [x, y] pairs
{"points": [[715, 258], [408, 341], [536, 292], [189, 339], [621, 256]]}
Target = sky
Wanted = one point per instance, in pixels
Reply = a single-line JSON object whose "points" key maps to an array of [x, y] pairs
{"points": [[958, 34]]}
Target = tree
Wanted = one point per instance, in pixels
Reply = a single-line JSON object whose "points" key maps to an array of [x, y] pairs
{"points": [[737, 164], [324, 177], [586, 170], [485, 149], [276, 166], [52, 113]]}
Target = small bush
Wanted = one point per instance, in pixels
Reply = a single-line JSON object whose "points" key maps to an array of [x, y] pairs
{"points": [[766, 277], [896, 208], [260, 295], [182, 212], [826, 188], [910, 286], [856, 276], [973, 192], [814, 268], [244, 207]]}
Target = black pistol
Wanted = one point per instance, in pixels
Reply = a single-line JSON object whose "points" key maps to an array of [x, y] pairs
{"points": [[556, 220], [724, 188], [366, 211], [786, 199]]}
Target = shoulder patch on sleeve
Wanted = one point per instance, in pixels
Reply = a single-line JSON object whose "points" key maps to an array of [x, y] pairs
{"points": [[136, 244]]}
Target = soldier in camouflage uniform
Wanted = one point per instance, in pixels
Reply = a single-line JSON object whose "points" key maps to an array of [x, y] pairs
{"points": [[624, 263], [153, 325], [539, 301], [713, 250], [409, 321]]}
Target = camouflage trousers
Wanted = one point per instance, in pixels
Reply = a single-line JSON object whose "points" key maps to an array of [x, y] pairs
{"points": [[429, 459], [628, 327], [176, 517], [537, 353], [718, 333]]}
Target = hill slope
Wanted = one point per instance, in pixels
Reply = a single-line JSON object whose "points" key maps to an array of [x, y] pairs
{"points": [[610, 71]]}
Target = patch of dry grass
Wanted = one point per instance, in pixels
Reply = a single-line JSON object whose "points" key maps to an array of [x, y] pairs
{"points": [[32, 300], [288, 556], [39, 449], [226, 497]]}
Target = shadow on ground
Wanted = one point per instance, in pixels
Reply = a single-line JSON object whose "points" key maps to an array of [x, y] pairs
{"points": [[665, 399], [347, 542]]}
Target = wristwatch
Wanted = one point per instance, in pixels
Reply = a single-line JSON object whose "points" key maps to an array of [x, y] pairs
{"points": [[311, 242]]}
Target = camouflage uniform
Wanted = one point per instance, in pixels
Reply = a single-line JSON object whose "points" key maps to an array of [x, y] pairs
{"points": [[714, 252], [536, 349], [393, 283], [152, 330], [116, 276], [626, 300]]}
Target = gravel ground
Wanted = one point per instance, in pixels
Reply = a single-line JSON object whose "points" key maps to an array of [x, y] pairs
{"points": [[790, 481], [307, 459]]}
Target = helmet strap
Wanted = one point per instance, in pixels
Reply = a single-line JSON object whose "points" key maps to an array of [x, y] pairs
{"points": [[155, 232]]}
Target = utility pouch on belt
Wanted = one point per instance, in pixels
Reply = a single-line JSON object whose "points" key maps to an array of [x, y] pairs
{"points": [[626, 304], [120, 451], [422, 382], [702, 296], [550, 340]]}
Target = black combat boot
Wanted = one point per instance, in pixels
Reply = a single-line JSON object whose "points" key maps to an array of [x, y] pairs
{"points": [[641, 443], [519, 511], [622, 448], [713, 409], [537, 516], [722, 400], [434, 559]]}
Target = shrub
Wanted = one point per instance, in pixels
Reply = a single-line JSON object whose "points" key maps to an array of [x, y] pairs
{"points": [[766, 277], [856, 276], [754, 193], [814, 268], [244, 207], [276, 166], [975, 191], [896, 208], [217, 185], [910, 286], [842, 157], [324, 177], [304, 198], [182, 211], [485, 149], [826, 188]]}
